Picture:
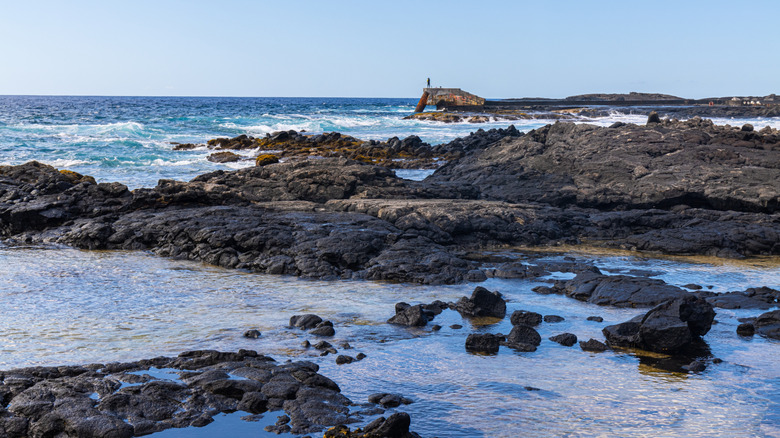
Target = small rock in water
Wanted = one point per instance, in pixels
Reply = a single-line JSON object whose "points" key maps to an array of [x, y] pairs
{"points": [[360, 356], [322, 345], [595, 318], [746, 329], [305, 344], [692, 286], [553, 318], [565, 339], [593, 345], [456, 326], [411, 316], [523, 336], [483, 343], [253, 334], [342, 359], [324, 328], [695, 366], [717, 360], [282, 419], [482, 303], [525, 317], [436, 327], [305, 322], [345, 345]]}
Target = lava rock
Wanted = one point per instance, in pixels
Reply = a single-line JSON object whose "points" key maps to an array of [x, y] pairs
{"points": [[524, 317], [565, 339], [252, 334], [523, 338], [412, 316], [553, 318], [305, 322], [768, 324], [482, 303], [483, 343], [593, 345]]}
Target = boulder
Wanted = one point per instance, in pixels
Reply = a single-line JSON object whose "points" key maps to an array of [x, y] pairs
{"points": [[668, 327], [305, 322], [482, 303], [412, 316], [524, 317], [523, 338]]}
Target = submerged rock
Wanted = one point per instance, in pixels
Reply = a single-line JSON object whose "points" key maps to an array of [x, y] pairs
{"points": [[483, 343]]}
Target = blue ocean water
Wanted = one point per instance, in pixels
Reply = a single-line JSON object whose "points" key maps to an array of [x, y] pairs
{"points": [[128, 139]]}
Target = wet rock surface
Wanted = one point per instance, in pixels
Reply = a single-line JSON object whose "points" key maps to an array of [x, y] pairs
{"points": [[669, 327], [768, 324], [481, 303], [147, 396]]}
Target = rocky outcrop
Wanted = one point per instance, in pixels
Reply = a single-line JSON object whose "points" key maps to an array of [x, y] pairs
{"points": [[661, 165], [618, 290], [669, 327], [127, 399], [395, 153]]}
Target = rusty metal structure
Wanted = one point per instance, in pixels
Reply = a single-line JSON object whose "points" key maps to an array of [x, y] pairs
{"points": [[448, 98]]}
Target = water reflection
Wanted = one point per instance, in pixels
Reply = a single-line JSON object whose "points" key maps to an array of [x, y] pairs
{"points": [[65, 306]]}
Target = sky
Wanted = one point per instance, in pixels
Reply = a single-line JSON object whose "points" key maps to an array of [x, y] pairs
{"points": [[496, 49]]}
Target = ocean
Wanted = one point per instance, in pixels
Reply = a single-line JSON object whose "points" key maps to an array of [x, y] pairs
{"points": [[67, 306]]}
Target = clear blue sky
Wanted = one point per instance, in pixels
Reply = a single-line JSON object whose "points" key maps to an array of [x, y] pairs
{"points": [[387, 49]]}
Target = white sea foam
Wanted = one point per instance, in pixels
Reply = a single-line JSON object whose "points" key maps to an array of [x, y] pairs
{"points": [[64, 162]]}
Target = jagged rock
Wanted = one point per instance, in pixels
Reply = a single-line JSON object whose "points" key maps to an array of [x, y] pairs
{"points": [[523, 338], [482, 303], [668, 327], [618, 290], [412, 316]]}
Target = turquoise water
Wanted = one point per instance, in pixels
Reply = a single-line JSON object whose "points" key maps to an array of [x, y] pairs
{"points": [[128, 139]]}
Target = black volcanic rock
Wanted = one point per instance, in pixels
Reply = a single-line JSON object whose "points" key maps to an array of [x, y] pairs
{"points": [[630, 166], [768, 324], [482, 303], [668, 327]]}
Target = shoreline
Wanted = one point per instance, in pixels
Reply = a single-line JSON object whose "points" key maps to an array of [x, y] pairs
{"points": [[335, 218]]}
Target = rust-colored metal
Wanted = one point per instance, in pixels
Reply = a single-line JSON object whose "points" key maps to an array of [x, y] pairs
{"points": [[422, 103]]}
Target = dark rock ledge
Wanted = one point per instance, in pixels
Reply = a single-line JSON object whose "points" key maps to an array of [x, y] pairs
{"points": [[124, 399], [670, 187]]}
